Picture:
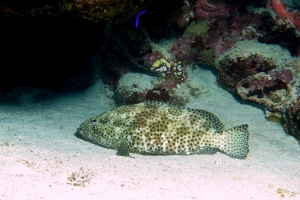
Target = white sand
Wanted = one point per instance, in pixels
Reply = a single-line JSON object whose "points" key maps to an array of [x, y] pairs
{"points": [[39, 152]]}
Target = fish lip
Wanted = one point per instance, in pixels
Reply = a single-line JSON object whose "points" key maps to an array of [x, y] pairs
{"points": [[80, 131]]}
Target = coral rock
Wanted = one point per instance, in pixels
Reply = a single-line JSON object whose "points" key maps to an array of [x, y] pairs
{"points": [[293, 120], [107, 10], [207, 9], [184, 19], [134, 87], [247, 58], [268, 88], [223, 34]]}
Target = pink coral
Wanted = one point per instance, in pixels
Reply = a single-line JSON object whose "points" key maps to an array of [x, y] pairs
{"points": [[231, 71], [184, 18], [181, 50], [214, 9], [150, 58], [224, 33]]}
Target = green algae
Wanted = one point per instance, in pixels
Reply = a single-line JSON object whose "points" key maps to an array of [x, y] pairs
{"points": [[199, 29]]}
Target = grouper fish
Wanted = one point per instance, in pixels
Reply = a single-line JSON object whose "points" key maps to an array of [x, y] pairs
{"points": [[155, 128]]}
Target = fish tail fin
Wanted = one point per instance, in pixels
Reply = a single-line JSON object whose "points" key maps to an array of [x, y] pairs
{"points": [[294, 19], [234, 141]]}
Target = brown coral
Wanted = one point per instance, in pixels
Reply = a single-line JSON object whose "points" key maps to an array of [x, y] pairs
{"points": [[268, 88], [232, 71], [115, 11], [208, 9], [293, 120]]}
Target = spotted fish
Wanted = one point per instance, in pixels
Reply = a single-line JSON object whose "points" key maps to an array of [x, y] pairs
{"points": [[155, 128]]}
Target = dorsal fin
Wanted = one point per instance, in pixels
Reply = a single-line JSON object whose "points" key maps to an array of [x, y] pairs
{"points": [[212, 119], [209, 117]]}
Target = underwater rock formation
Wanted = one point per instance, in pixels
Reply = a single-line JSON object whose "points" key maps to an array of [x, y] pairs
{"points": [[244, 23], [169, 66], [113, 11], [106, 10], [265, 74], [186, 14], [265, 87], [137, 87], [216, 9], [248, 43], [223, 34], [270, 89], [293, 120], [197, 33], [247, 58], [238, 42], [221, 30], [274, 31], [132, 50]]}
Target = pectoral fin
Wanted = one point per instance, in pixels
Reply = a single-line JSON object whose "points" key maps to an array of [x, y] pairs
{"points": [[207, 150], [123, 148]]}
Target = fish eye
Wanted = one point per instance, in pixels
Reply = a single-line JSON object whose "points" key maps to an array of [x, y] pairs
{"points": [[94, 121]]}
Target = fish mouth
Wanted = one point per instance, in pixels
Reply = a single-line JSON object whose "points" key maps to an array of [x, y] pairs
{"points": [[81, 132]]}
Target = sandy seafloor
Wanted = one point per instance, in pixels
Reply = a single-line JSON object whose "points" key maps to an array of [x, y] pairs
{"points": [[40, 158]]}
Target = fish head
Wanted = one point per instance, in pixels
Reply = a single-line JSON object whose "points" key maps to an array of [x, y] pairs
{"points": [[87, 128], [103, 130]]}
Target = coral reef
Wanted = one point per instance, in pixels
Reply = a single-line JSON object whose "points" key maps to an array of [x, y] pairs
{"points": [[215, 9], [137, 87], [259, 23], [293, 120], [238, 42], [266, 74], [186, 14], [107, 10], [247, 58], [270, 89], [197, 33], [274, 31], [51, 9], [214, 35], [223, 34], [253, 50], [132, 50], [188, 91], [113, 11], [197, 29], [258, 71], [170, 66]]}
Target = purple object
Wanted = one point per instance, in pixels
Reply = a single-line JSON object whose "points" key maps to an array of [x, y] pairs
{"points": [[137, 18]]}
